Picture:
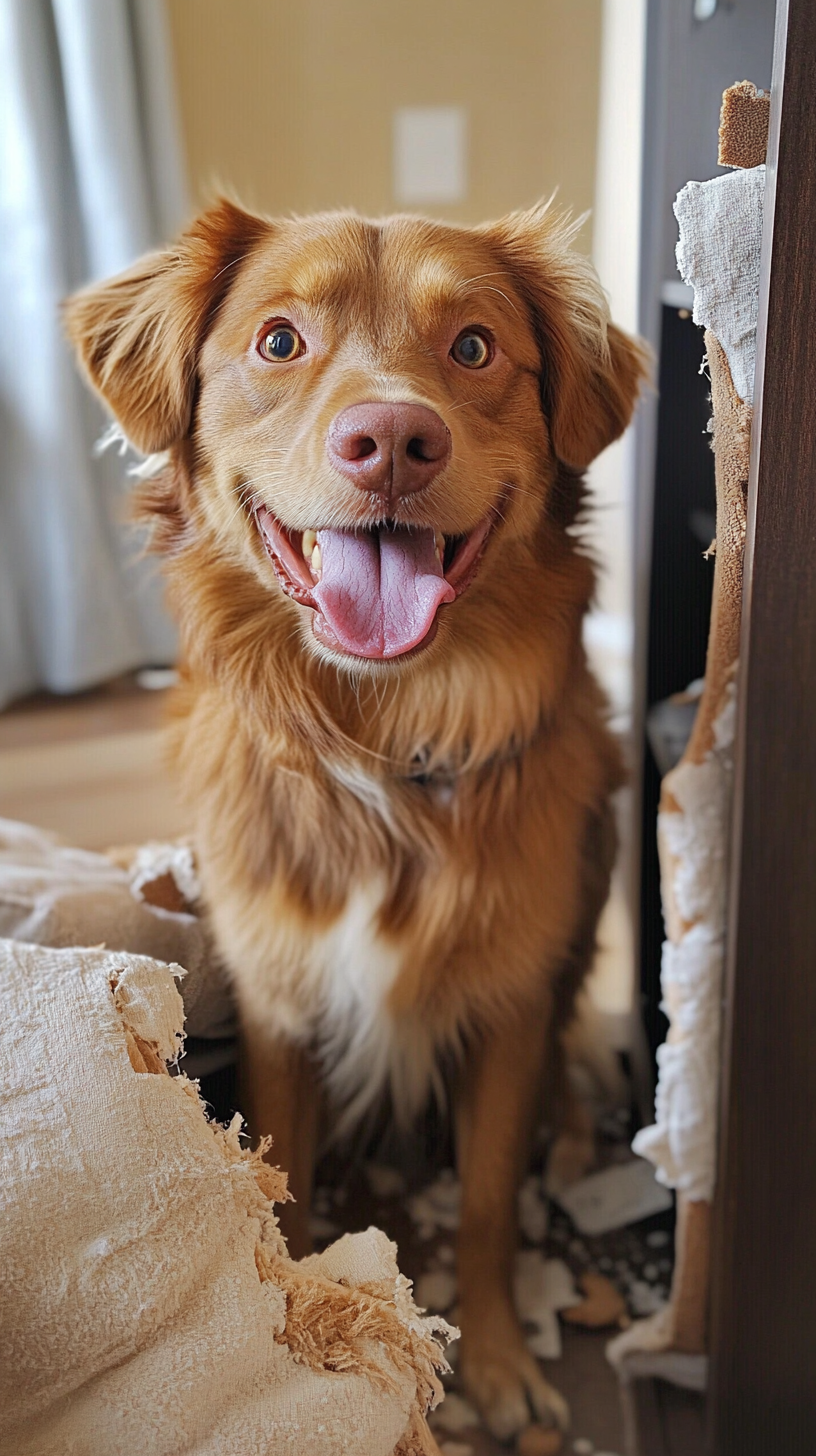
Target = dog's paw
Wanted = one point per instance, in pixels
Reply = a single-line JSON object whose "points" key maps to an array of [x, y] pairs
{"points": [[506, 1385]]}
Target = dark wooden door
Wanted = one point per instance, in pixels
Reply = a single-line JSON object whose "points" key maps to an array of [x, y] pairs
{"points": [[763, 1376]]}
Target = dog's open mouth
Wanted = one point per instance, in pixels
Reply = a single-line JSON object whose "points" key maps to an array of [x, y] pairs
{"points": [[376, 592]]}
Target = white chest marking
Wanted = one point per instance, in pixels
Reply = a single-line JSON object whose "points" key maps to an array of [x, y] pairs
{"points": [[355, 968]]}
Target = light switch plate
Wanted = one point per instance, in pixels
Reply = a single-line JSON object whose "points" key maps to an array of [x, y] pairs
{"points": [[430, 154]]}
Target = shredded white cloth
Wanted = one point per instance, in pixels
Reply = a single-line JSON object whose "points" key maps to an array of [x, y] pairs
{"points": [[682, 1143], [718, 255], [147, 1293]]}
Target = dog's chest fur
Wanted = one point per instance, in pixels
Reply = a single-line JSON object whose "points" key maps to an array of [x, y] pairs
{"points": [[329, 986], [355, 969], [380, 921]]}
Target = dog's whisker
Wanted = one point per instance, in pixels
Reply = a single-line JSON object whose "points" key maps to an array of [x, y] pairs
{"points": [[518, 489], [247, 502], [491, 288], [479, 278]]}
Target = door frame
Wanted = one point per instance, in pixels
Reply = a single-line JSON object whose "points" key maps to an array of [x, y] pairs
{"points": [[763, 1335]]}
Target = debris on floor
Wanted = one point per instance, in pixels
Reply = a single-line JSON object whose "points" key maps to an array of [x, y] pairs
{"points": [[541, 1288], [621, 1194], [383, 1180], [533, 1210], [590, 1258], [644, 1299], [437, 1206], [601, 1306]]}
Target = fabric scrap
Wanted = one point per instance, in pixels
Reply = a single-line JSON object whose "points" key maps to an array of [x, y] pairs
{"points": [[718, 255]]}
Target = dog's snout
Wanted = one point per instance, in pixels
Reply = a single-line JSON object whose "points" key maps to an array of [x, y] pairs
{"points": [[391, 449]]}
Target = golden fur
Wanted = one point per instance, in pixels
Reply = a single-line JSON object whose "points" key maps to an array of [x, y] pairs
{"points": [[403, 857]]}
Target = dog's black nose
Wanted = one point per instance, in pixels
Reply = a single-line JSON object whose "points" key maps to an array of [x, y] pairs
{"points": [[391, 449]]}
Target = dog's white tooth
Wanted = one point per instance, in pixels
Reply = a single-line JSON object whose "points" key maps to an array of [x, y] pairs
{"points": [[308, 544], [317, 561], [439, 544]]}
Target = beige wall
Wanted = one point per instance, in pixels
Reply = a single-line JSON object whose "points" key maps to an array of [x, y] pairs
{"points": [[289, 102]]}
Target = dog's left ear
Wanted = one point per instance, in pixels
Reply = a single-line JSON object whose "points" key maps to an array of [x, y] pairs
{"points": [[592, 372]]}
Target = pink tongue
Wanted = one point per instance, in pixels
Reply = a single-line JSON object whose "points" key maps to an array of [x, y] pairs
{"points": [[379, 590]]}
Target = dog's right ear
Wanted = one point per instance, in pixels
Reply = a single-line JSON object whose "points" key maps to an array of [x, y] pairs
{"points": [[138, 335]]}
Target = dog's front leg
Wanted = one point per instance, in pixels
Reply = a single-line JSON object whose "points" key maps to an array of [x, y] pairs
{"points": [[497, 1111], [280, 1095]]}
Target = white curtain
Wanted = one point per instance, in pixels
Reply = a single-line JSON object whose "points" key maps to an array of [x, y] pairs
{"points": [[90, 176]]}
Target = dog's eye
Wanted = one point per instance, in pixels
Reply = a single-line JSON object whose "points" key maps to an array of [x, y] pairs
{"points": [[472, 350], [281, 344]]}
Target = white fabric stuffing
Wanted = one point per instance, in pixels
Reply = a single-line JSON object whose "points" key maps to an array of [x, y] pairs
{"points": [[698, 837], [682, 1141], [542, 1287], [718, 255], [438, 1206]]}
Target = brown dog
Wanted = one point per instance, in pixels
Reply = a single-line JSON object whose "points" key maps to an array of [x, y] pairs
{"points": [[392, 748]]}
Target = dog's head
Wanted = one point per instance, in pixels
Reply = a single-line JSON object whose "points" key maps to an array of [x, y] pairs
{"points": [[369, 412]]}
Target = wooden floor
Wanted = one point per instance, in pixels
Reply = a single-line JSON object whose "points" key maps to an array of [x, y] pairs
{"points": [[671, 1421], [89, 766]]}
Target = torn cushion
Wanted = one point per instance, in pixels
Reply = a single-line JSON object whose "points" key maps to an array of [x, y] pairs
{"points": [[52, 894], [149, 1302]]}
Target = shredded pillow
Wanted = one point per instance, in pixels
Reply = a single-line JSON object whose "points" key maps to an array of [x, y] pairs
{"points": [[149, 1303]]}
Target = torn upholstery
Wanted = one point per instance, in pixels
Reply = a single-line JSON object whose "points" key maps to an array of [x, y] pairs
{"points": [[149, 1302], [719, 255]]}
